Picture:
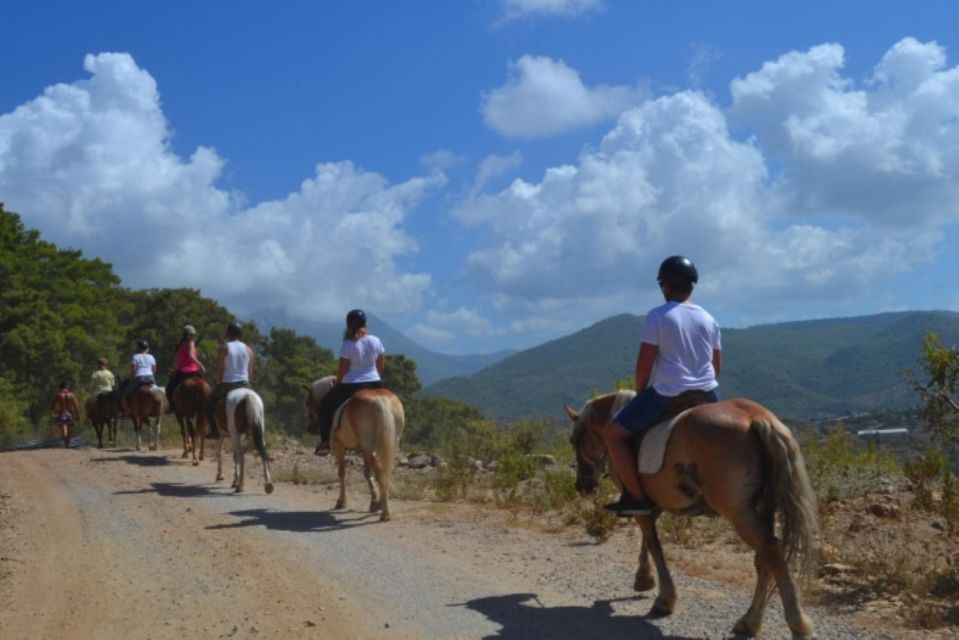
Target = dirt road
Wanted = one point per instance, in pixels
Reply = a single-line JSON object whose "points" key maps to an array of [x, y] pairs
{"points": [[117, 544]]}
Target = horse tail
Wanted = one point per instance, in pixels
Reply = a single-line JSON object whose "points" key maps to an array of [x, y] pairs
{"points": [[254, 415], [789, 484], [386, 436]]}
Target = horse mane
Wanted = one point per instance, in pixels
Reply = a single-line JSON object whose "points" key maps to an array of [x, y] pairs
{"points": [[321, 387], [617, 400]]}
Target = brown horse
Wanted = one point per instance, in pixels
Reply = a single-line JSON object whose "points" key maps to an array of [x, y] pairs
{"points": [[372, 422], [147, 403], [241, 411], [731, 458], [189, 400], [104, 413]]}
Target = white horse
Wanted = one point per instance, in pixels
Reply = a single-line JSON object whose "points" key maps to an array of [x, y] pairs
{"points": [[371, 422], [242, 412]]}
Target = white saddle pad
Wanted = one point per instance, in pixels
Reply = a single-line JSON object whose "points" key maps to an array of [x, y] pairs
{"points": [[653, 449], [337, 415]]}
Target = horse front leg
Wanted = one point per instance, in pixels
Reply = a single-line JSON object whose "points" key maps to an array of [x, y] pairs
{"points": [[644, 574], [156, 433], [341, 474], [183, 422], [665, 602], [219, 457], [199, 431], [136, 429], [98, 427]]}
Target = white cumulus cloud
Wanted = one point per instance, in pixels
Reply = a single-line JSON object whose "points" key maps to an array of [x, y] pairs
{"points": [[544, 97], [807, 190], [518, 9], [90, 164]]}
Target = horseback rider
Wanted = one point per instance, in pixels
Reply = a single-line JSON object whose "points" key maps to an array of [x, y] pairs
{"points": [[185, 363], [360, 367], [679, 351], [234, 369], [143, 368], [101, 382], [66, 410]]}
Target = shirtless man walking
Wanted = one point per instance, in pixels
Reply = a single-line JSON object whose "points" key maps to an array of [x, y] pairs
{"points": [[66, 409]]}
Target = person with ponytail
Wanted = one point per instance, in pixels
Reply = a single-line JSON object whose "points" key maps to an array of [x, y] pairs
{"points": [[360, 367]]}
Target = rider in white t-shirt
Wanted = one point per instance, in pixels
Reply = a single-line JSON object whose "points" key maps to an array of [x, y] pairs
{"points": [[680, 350], [143, 368], [360, 367]]}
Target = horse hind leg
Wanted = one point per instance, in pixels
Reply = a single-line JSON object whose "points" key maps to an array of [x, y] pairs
{"points": [[757, 532], [371, 473]]}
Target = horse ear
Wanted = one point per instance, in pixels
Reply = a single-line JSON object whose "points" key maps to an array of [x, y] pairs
{"points": [[306, 387], [571, 412]]}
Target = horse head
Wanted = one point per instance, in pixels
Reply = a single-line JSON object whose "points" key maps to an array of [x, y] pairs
{"points": [[591, 457], [315, 393]]}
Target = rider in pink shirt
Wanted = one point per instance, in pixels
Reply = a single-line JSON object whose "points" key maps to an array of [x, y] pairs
{"points": [[185, 362]]}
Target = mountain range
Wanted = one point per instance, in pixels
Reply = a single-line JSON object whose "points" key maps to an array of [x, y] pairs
{"points": [[800, 370]]}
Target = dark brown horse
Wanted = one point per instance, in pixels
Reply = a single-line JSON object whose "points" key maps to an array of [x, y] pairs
{"points": [[188, 402], [104, 413], [147, 403], [731, 458]]}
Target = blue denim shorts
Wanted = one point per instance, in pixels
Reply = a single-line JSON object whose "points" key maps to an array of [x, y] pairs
{"points": [[646, 409]]}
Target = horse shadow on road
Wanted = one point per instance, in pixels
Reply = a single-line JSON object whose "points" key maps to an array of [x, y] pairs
{"points": [[174, 490], [296, 521], [523, 616], [140, 460]]}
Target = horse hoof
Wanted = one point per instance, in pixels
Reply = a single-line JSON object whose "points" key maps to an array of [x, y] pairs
{"points": [[744, 628], [340, 504], [661, 608], [238, 490], [219, 478], [375, 506], [385, 517], [196, 463], [268, 487], [644, 583], [185, 455]]}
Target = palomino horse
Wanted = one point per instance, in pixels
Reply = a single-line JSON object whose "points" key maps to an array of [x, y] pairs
{"points": [[242, 412], [104, 413], [371, 421], [731, 458], [189, 400], [147, 403]]}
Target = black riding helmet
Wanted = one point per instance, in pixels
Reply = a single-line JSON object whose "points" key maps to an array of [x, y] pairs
{"points": [[678, 270], [142, 344], [356, 319], [233, 330]]}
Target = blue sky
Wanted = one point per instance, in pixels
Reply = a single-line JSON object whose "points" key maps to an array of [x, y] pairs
{"points": [[494, 173]]}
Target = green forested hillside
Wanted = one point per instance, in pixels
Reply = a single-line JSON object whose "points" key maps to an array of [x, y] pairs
{"points": [[798, 369], [60, 311]]}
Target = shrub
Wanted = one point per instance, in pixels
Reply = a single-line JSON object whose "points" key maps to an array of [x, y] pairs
{"points": [[840, 467]]}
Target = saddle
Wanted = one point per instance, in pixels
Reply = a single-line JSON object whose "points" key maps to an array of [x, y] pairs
{"points": [[653, 444]]}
